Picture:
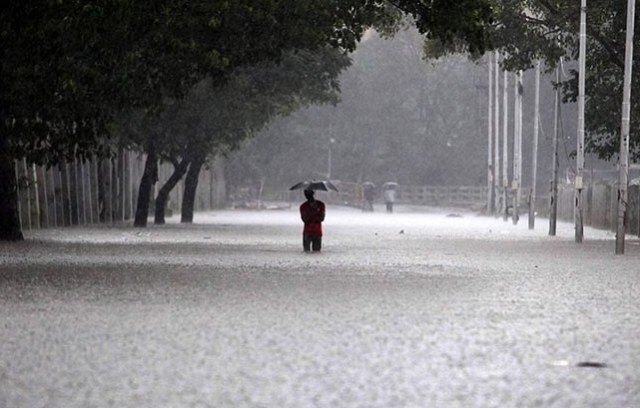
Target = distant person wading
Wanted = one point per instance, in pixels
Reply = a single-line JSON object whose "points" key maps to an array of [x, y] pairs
{"points": [[389, 193], [312, 214]]}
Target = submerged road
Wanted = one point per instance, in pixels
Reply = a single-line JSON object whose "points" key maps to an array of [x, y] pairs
{"points": [[399, 310]]}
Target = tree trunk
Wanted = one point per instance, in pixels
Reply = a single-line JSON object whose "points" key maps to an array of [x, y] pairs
{"points": [[83, 185], [75, 202], [102, 191], [163, 194], [9, 217], [110, 179], [44, 197], [27, 192], [220, 194], [190, 187], [129, 186], [66, 194], [122, 191], [55, 193], [89, 166], [149, 178]]}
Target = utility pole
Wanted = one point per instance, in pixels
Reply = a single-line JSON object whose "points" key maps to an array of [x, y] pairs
{"points": [[534, 148], [505, 145], [623, 179], [496, 128], [578, 211], [329, 161], [553, 204], [517, 147], [329, 158], [490, 200]]}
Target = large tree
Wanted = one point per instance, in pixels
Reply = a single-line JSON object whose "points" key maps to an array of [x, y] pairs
{"points": [[213, 121], [256, 95], [68, 68]]}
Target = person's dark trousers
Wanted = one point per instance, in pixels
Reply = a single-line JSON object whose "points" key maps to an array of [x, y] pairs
{"points": [[311, 242], [389, 207]]}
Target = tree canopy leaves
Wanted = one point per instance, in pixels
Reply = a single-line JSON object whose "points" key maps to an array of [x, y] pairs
{"points": [[526, 30], [69, 68]]}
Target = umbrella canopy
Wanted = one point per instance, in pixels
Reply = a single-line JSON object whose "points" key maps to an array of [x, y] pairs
{"points": [[390, 185], [322, 185]]}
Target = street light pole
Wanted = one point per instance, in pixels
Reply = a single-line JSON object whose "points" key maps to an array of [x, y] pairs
{"points": [[623, 178], [505, 145], [553, 204], [331, 141], [517, 147], [578, 211], [490, 167], [496, 131], [534, 148]]}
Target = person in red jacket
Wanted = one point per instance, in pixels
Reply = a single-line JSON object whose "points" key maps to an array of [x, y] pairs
{"points": [[312, 214]]}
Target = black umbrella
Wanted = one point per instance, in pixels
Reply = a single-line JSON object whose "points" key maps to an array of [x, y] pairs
{"points": [[321, 185]]}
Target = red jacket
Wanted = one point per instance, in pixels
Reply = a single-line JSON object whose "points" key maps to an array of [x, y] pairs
{"points": [[312, 214]]}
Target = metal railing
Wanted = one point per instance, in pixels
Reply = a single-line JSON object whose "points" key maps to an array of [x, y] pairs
{"points": [[351, 194]]}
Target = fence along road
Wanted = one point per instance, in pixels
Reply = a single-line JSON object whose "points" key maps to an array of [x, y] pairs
{"points": [[105, 191]]}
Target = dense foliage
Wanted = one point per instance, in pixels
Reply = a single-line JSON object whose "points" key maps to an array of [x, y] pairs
{"points": [[213, 121], [547, 30], [69, 68]]}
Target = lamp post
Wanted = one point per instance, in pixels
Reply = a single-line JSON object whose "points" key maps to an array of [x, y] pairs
{"points": [[490, 163], [534, 160], [623, 177], [505, 146], [553, 203], [496, 131], [578, 211], [331, 141], [517, 146]]}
